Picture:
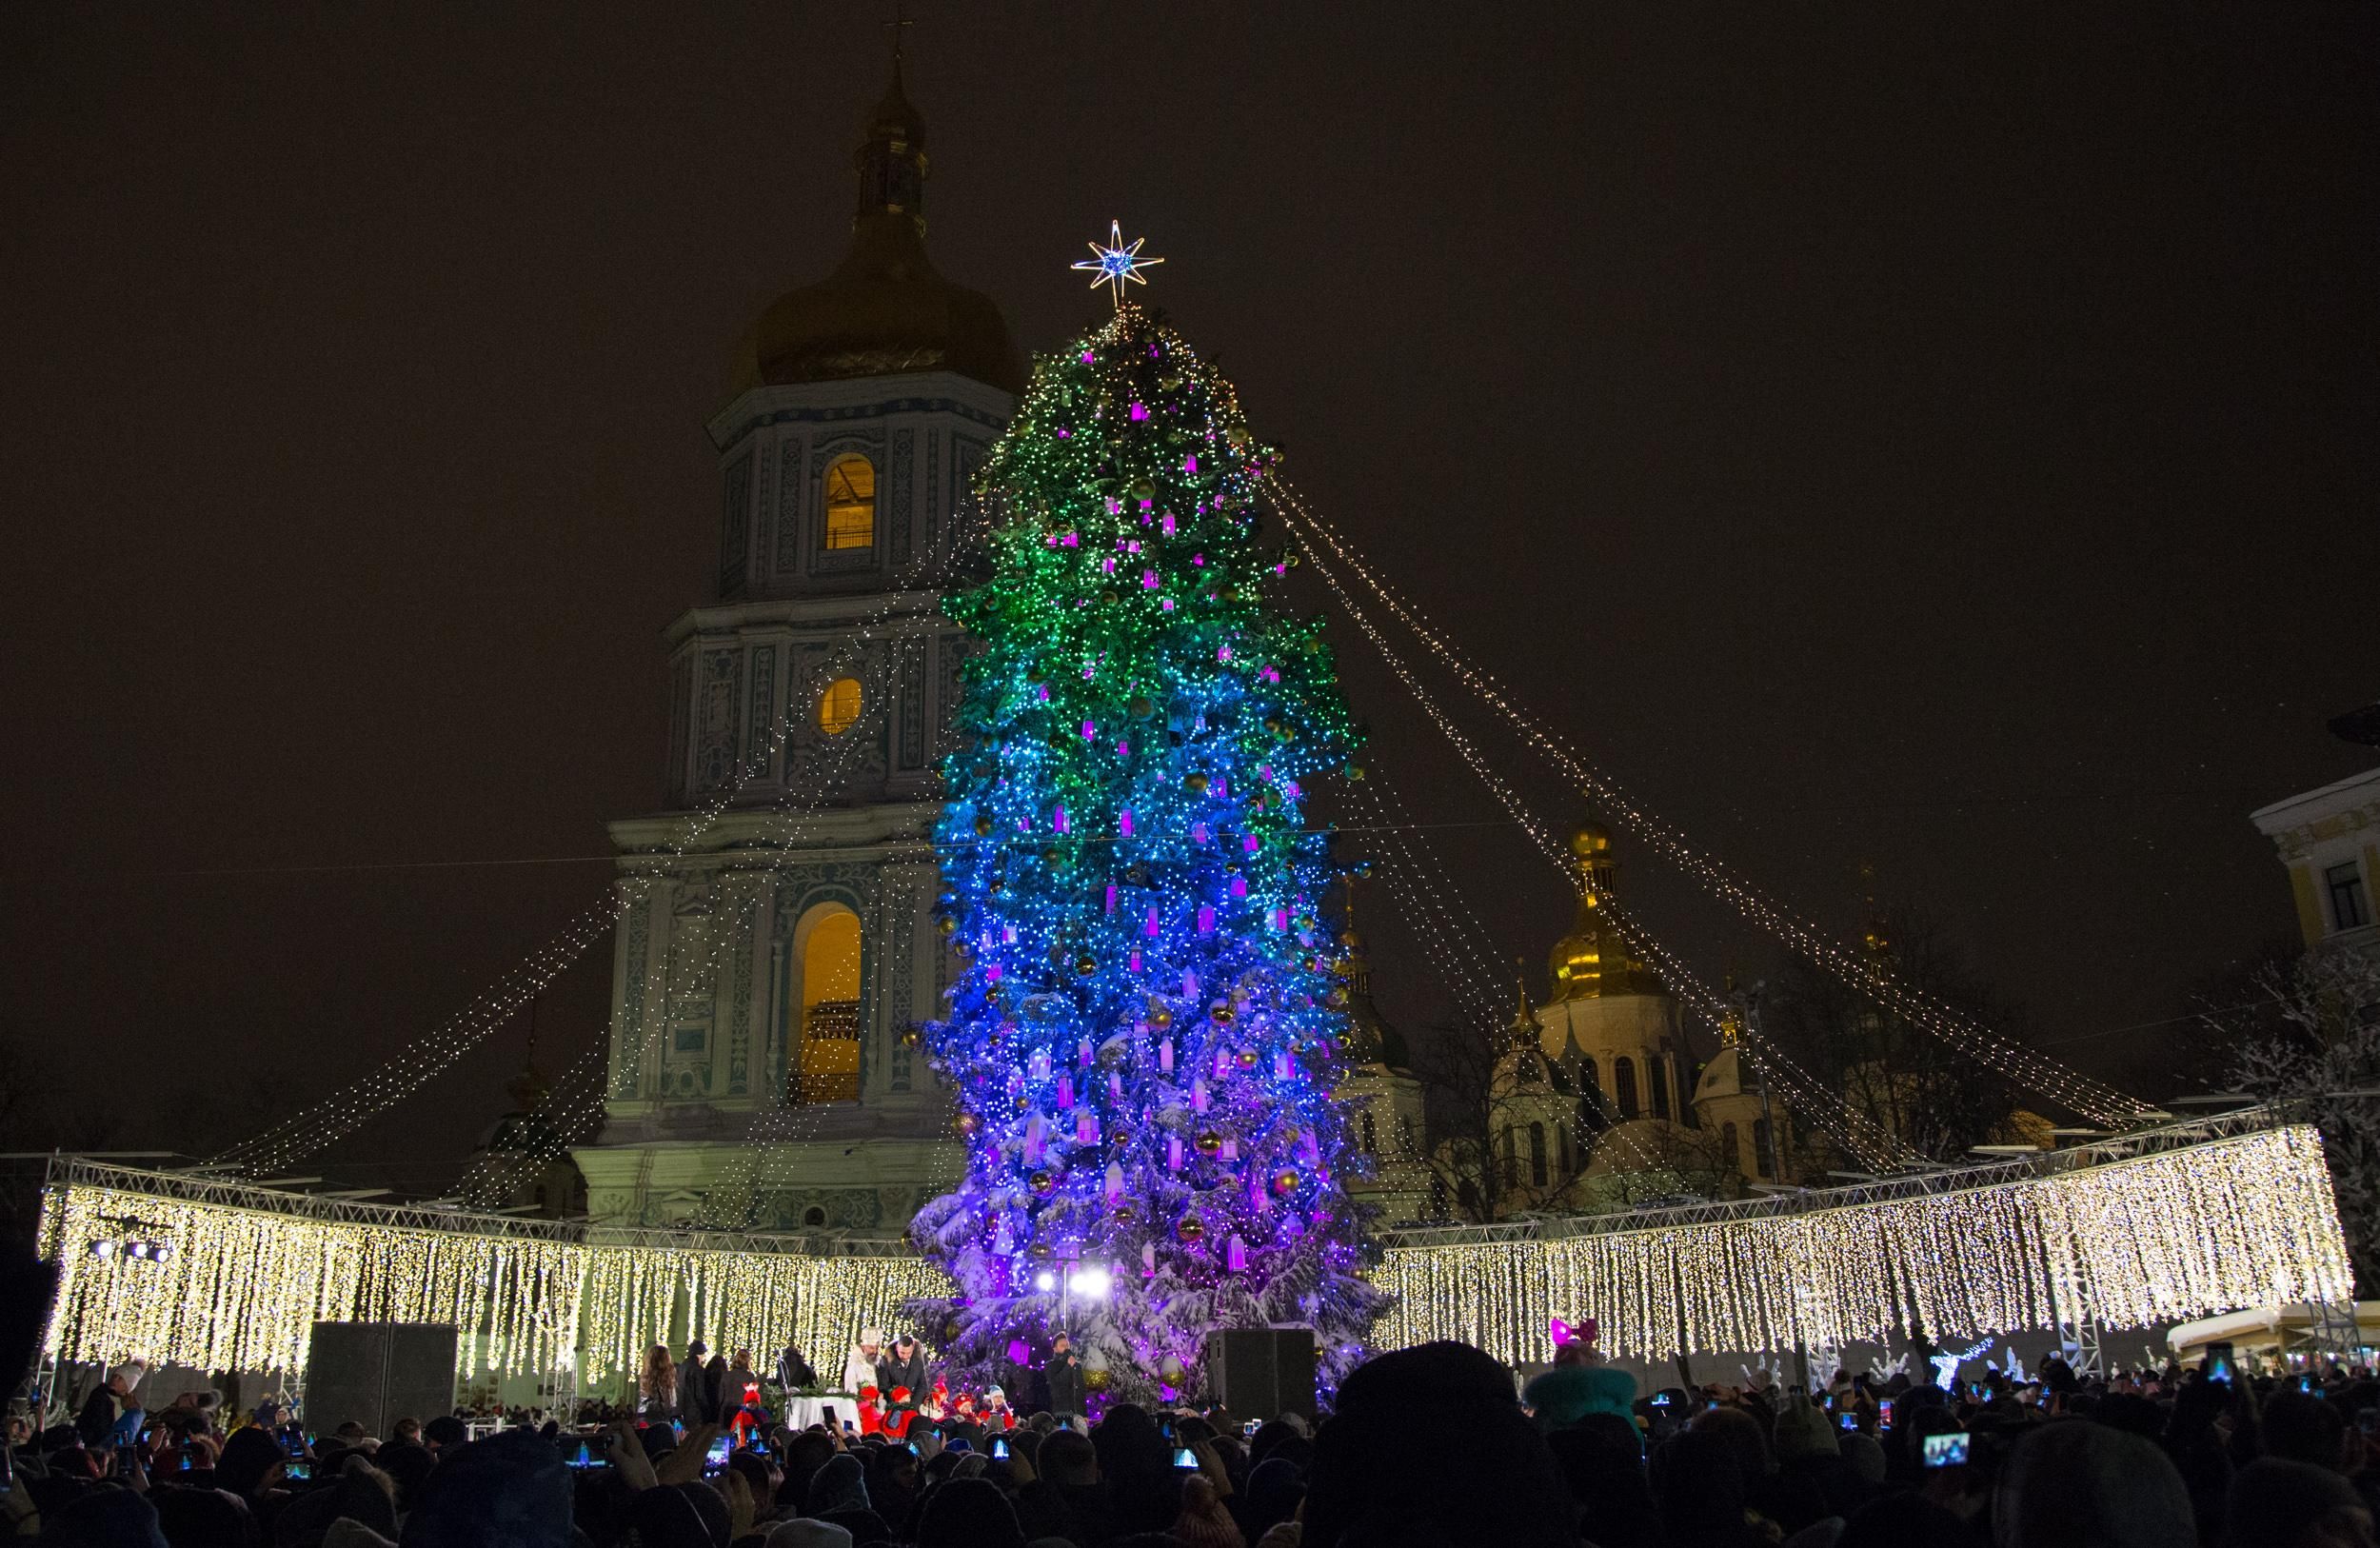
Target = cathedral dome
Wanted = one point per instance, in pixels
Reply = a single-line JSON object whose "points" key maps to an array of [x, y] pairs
{"points": [[883, 312]]}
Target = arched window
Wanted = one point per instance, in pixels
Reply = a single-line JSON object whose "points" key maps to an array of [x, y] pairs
{"points": [[1730, 1149], [851, 503], [828, 1058], [1511, 1159], [1657, 1076], [1760, 1148], [1587, 1082], [839, 705], [1562, 1143], [1371, 1136], [1537, 1155], [1624, 1086]]}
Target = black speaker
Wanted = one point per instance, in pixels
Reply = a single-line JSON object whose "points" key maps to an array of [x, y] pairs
{"points": [[378, 1373], [1262, 1373]]}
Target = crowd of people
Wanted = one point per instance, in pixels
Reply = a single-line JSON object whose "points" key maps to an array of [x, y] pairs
{"points": [[1432, 1448]]}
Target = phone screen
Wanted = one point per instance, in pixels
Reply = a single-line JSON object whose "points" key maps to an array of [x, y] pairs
{"points": [[298, 1470], [1848, 1420], [1186, 1459], [1946, 1450], [826, 1412], [1000, 1451], [2218, 1362], [584, 1456], [1884, 1411], [715, 1461]]}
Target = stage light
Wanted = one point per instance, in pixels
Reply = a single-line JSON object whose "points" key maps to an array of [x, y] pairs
{"points": [[1091, 1284], [1046, 1280], [103, 1249]]}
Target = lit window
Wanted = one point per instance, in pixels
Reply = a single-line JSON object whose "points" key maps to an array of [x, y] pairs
{"points": [[828, 1064], [2349, 910], [839, 706], [852, 503]]}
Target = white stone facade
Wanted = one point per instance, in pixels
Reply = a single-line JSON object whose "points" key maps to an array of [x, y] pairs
{"points": [[780, 821]]}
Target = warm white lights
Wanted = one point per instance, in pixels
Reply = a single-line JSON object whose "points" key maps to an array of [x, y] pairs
{"points": [[2236, 1223]]}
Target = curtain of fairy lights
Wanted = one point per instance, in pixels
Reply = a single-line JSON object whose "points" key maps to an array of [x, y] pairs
{"points": [[2215, 1227], [2238, 1222]]}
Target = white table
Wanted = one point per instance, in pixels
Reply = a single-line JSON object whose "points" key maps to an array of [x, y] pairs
{"points": [[801, 1413]]}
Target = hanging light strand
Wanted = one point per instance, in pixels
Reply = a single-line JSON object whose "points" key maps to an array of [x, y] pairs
{"points": [[2032, 1070], [1874, 1149]]}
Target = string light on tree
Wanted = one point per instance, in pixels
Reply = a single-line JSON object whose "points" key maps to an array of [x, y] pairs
{"points": [[1142, 1039]]}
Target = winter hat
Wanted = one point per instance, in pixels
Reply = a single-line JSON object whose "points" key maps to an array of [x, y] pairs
{"points": [[841, 1484], [104, 1517], [509, 1490], [347, 1531], [1865, 1453], [130, 1373], [2274, 1500], [805, 1533], [1203, 1522], [1567, 1393], [1803, 1430]]}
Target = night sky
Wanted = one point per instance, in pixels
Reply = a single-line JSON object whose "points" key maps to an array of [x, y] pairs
{"points": [[1935, 437]]}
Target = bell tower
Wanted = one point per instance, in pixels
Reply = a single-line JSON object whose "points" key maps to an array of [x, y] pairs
{"points": [[774, 947]]}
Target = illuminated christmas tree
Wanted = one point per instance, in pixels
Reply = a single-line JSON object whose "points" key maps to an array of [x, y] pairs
{"points": [[1142, 1036]]}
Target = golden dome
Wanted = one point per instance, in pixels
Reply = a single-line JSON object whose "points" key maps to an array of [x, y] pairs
{"points": [[1592, 962], [883, 312]]}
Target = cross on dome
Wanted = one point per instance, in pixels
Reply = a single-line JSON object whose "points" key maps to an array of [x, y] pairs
{"points": [[1116, 262]]}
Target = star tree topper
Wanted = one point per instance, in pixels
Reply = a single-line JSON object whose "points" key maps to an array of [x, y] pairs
{"points": [[1114, 263]]}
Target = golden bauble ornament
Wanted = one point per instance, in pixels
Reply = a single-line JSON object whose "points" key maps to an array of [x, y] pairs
{"points": [[1209, 1142]]}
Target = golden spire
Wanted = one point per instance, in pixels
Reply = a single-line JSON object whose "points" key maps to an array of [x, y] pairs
{"points": [[1524, 1029], [891, 158], [1877, 936]]}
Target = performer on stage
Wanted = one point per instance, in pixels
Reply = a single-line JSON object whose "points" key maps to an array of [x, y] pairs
{"points": [[903, 1365], [794, 1372], [1066, 1377], [858, 1367]]}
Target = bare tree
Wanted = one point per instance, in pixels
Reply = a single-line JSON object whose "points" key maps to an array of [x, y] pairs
{"points": [[1481, 1109], [1908, 1081], [2313, 1043]]}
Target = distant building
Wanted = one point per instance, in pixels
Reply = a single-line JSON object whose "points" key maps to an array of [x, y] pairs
{"points": [[1383, 1099], [1597, 1099], [520, 1165], [2330, 840]]}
